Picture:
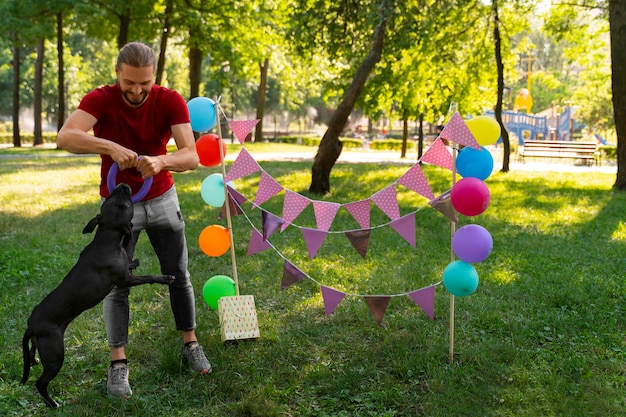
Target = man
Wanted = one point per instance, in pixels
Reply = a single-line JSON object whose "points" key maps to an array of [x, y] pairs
{"points": [[132, 122]]}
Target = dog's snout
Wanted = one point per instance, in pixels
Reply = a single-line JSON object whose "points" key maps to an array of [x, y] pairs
{"points": [[123, 188]]}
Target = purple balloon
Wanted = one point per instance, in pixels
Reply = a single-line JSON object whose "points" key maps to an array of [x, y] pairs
{"points": [[472, 243]]}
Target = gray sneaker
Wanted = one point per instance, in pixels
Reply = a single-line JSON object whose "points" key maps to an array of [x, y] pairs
{"points": [[117, 381], [194, 356]]}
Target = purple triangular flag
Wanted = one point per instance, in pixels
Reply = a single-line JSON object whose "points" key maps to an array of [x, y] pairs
{"points": [[414, 179], [313, 239], [268, 188], [257, 243], [235, 210], [443, 204], [325, 213], [291, 275], [243, 165], [359, 239], [457, 131], [405, 226], [425, 298], [360, 210], [293, 205], [271, 223], [378, 305], [387, 200], [236, 195], [332, 298]]}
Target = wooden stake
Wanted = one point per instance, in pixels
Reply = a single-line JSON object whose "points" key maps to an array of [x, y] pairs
{"points": [[227, 199], [452, 259]]}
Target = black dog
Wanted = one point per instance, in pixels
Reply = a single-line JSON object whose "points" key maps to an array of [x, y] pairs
{"points": [[102, 265]]}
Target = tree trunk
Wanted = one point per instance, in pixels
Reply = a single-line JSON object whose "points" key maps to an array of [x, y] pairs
{"points": [[122, 36], [420, 138], [260, 104], [61, 75], [330, 146], [164, 36], [195, 71], [37, 131], [500, 66], [16, 93], [405, 133], [617, 23]]}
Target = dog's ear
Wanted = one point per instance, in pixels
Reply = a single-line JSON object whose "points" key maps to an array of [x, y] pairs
{"points": [[92, 224]]}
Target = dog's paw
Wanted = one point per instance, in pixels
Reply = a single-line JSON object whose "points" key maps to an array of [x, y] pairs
{"points": [[168, 279]]}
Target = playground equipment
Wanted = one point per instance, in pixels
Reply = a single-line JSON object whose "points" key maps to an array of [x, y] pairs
{"points": [[518, 123]]}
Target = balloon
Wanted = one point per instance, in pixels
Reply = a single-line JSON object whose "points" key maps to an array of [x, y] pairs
{"points": [[474, 163], [202, 113], [472, 243], [217, 287], [460, 278], [470, 196], [485, 129], [209, 151], [212, 190], [214, 240]]}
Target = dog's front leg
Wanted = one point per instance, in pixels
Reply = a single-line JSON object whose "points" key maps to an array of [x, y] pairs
{"points": [[132, 281]]}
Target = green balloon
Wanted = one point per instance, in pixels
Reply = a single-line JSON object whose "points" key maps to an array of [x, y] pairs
{"points": [[217, 287]]}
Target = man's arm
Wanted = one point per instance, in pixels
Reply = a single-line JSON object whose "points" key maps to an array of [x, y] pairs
{"points": [[184, 159], [73, 137]]}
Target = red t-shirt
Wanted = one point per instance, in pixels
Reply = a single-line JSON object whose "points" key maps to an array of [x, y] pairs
{"points": [[146, 130]]}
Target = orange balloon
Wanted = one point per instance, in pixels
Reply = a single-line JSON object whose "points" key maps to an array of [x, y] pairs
{"points": [[214, 240]]}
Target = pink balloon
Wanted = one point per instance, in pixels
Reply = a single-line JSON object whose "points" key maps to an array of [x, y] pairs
{"points": [[472, 243], [470, 196]]}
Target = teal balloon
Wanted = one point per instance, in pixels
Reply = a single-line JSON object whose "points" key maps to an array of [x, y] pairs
{"points": [[460, 278], [202, 113], [474, 163], [212, 190], [217, 287]]}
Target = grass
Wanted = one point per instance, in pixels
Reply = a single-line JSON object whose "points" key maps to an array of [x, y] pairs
{"points": [[542, 336]]}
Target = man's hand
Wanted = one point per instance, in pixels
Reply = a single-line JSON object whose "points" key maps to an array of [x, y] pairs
{"points": [[149, 166], [124, 157]]}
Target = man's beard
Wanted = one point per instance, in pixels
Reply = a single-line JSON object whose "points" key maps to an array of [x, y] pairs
{"points": [[134, 99]]}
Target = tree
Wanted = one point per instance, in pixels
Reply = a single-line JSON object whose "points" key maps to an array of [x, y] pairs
{"points": [[617, 22]]}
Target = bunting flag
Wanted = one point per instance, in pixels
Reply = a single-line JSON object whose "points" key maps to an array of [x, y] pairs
{"points": [[293, 205], [291, 275], [414, 179], [405, 226], [313, 239], [425, 298], [444, 205], [325, 213], [438, 154], [268, 188], [387, 200], [360, 210], [239, 198], [359, 239], [332, 298], [235, 210], [257, 243], [271, 223], [241, 128], [378, 305], [457, 131], [244, 165]]}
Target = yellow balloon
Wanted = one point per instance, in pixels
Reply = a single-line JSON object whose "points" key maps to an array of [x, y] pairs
{"points": [[485, 129]]}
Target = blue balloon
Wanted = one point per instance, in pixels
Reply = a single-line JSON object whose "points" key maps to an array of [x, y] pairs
{"points": [[202, 113], [212, 190], [474, 163], [460, 278]]}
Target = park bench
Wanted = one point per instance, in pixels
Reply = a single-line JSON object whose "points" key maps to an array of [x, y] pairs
{"points": [[585, 151]]}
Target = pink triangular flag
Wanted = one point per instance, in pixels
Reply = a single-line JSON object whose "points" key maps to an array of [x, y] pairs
{"points": [[271, 223], [313, 239], [457, 131], [257, 243], [387, 200], [291, 275], [414, 179], [325, 213], [360, 210], [425, 298], [378, 305], [268, 188], [438, 154], [293, 205], [243, 165], [241, 128], [405, 226], [443, 204], [359, 239], [332, 298]]}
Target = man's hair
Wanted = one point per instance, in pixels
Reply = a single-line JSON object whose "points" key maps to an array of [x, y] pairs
{"points": [[137, 55]]}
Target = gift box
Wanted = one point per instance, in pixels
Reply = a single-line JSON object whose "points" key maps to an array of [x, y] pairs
{"points": [[238, 319]]}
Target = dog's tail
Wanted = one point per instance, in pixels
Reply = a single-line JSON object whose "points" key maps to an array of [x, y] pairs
{"points": [[27, 354]]}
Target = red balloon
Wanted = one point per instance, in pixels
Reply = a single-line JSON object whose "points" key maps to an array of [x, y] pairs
{"points": [[208, 150], [470, 196]]}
